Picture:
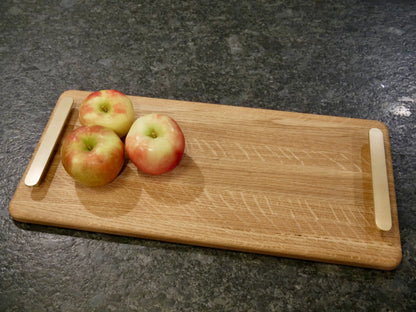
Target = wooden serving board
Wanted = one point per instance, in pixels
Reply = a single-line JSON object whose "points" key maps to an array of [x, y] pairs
{"points": [[254, 180]]}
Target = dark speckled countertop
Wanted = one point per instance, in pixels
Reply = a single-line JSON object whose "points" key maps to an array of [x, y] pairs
{"points": [[339, 58]]}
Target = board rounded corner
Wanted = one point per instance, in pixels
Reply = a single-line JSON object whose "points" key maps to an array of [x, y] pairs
{"points": [[394, 261], [15, 213]]}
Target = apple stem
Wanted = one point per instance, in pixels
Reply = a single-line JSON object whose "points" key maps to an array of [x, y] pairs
{"points": [[104, 108]]}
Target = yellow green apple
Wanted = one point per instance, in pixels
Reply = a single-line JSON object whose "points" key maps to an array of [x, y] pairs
{"points": [[93, 155], [107, 108]]}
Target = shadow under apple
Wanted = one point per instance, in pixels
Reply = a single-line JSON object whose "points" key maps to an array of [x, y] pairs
{"points": [[177, 187], [114, 199]]}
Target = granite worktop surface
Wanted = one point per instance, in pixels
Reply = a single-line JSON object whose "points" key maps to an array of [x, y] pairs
{"points": [[340, 58]]}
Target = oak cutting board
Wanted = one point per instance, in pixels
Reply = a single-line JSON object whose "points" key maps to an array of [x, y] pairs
{"points": [[254, 180]]}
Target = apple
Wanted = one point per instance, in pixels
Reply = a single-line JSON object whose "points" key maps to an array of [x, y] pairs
{"points": [[155, 143], [93, 155], [107, 108]]}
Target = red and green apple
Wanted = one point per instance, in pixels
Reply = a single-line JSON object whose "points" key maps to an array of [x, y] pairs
{"points": [[107, 108], [155, 143], [93, 155]]}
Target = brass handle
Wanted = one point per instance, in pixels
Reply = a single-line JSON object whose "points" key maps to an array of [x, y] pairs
{"points": [[48, 141], [380, 181]]}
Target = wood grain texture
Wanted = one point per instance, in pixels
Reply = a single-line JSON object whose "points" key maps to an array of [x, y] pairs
{"points": [[254, 180]]}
